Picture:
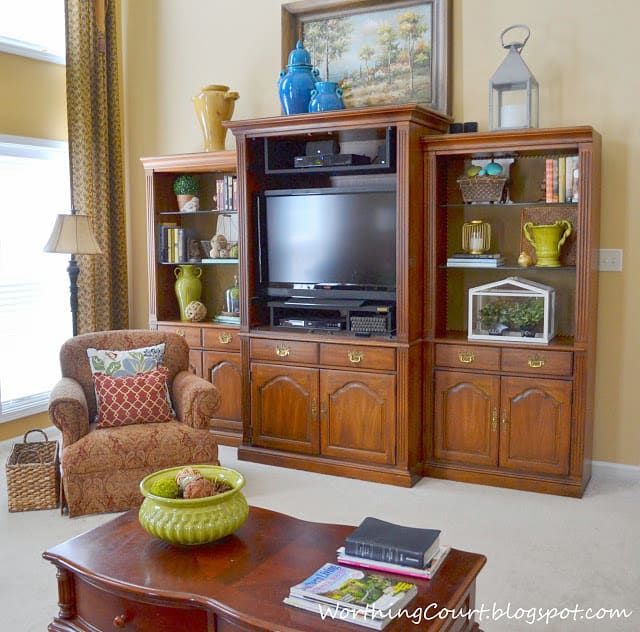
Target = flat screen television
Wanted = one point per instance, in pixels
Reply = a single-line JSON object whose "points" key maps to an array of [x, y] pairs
{"points": [[328, 243]]}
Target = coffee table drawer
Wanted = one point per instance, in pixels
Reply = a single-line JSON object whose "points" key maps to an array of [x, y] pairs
{"points": [[468, 357], [284, 351], [538, 361], [107, 611]]}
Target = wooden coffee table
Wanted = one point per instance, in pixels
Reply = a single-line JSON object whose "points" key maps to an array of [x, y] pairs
{"points": [[117, 576]]}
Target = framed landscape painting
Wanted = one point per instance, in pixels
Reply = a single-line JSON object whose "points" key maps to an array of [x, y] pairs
{"points": [[379, 52]]}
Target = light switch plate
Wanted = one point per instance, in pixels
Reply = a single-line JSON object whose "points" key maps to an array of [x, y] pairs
{"points": [[610, 260]]}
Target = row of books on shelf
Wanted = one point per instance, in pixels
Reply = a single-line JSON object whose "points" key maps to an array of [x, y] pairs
{"points": [[172, 243], [370, 585], [227, 193], [561, 179]]}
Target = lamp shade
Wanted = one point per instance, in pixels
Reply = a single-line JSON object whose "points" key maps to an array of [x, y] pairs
{"points": [[72, 234]]}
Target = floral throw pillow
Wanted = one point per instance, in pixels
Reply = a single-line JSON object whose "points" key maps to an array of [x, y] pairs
{"points": [[127, 362], [132, 399]]}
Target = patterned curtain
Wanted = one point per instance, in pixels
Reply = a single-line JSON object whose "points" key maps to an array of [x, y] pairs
{"points": [[95, 151]]}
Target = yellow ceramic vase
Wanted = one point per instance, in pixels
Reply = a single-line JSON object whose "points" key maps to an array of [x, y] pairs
{"points": [[214, 104], [547, 239]]}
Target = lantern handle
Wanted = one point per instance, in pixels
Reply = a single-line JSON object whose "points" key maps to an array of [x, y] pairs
{"points": [[517, 45]]}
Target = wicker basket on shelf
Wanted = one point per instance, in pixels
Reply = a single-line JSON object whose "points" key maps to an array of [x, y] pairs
{"points": [[33, 474], [482, 188]]}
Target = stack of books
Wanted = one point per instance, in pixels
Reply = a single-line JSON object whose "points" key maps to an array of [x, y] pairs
{"points": [[392, 548], [339, 593], [466, 260]]}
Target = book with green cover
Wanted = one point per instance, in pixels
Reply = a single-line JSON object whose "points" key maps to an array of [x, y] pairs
{"points": [[357, 589]]}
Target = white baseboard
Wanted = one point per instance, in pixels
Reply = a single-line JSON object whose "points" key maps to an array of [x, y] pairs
{"points": [[631, 472]]}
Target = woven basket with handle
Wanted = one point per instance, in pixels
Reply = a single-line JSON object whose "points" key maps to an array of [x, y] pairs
{"points": [[33, 474]]}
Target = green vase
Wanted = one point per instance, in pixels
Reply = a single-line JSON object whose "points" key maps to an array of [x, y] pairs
{"points": [[188, 286]]}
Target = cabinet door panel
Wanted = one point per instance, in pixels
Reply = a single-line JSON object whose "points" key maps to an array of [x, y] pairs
{"points": [[284, 408], [357, 419], [223, 370], [466, 417], [536, 425], [195, 362]]}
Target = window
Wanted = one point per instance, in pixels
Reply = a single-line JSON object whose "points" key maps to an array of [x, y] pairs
{"points": [[35, 315], [22, 34]]}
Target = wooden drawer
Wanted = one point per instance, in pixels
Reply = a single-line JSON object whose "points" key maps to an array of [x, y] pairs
{"points": [[292, 351], [468, 357], [193, 335], [537, 361], [361, 357], [222, 339], [106, 611]]}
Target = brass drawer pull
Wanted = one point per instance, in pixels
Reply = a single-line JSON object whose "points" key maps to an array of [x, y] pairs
{"points": [[314, 410], [282, 351], [180, 332], [119, 621], [536, 362], [466, 357], [225, 338], [494, 420], [355, 356]]}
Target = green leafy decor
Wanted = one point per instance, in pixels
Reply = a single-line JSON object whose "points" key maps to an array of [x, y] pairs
{"points": [[186, 184]]}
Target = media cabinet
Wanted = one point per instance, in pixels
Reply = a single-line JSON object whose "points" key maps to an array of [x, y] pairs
{"points": [[382, 387]]}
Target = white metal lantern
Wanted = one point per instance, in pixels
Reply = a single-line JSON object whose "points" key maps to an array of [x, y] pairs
{"points": [[513, 90]]}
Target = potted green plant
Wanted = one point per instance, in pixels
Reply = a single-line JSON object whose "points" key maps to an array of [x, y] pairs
{"points": [[526, 316], [186, 188], [494, 317]]}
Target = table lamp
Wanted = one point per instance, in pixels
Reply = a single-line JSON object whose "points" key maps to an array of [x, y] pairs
{"points": [[72, 234]]}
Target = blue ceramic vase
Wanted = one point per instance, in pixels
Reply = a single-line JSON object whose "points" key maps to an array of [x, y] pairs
{"points": [[326, 96], [297, 83]]}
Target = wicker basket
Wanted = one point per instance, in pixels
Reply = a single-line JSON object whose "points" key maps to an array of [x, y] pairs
{"points": [[482, 188], [33, 475]]}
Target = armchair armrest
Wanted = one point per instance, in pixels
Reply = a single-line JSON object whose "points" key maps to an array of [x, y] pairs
{"points": [[68, 410], [195, 400]]}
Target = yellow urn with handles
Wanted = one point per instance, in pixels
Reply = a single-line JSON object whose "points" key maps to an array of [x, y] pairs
{"points": [[547, 239], [214, 104]]}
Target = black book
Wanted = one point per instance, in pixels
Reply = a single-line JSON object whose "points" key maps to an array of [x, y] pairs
{"points": [[384, 541]]}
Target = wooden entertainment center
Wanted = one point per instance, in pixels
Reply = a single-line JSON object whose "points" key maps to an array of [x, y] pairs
{"points": [[306, 384]]}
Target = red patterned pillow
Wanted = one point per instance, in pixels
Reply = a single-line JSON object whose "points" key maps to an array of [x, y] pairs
{"points": [[132, 399]]}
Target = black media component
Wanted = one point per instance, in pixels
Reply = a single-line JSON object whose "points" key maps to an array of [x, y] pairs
{"points": [[330, 160], [315, 148]]}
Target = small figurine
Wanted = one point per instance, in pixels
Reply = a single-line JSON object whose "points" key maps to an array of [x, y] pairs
{"points": [[195, 252], [524, 259], [219, 246]]}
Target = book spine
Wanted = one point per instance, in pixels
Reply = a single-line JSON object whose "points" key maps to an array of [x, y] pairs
{"points": [[548, 180], [554, 194], [387, 554], [562, 178]]}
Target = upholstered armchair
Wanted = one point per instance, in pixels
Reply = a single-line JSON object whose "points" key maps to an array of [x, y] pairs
{"points": [[103, 466]]}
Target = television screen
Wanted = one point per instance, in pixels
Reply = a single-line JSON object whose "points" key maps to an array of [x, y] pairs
{"points": [[339, 238]]}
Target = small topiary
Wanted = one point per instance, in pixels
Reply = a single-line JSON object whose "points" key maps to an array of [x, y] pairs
{"points": [[186, 184]]}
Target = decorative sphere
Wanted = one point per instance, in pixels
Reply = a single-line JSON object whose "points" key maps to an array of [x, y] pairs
{"points": [[195, 311], [165, 487]]}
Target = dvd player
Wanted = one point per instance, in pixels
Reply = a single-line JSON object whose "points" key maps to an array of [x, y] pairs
{"points": [[331, 160], [329, 324]]}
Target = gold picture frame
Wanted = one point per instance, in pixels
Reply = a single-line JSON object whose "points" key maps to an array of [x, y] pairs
{"points": [[383, 53]]}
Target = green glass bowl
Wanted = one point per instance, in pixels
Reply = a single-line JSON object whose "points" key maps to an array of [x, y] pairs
{"points": [[194, 520]]}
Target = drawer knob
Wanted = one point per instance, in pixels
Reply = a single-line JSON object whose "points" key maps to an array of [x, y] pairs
{"points": [[466, 357], [225, 338], [355, 356], [119, 621], [180, 332], [536, 362], [282, 351]]}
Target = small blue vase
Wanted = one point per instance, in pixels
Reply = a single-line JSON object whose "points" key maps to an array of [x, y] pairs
{"points": [[326, 96], [297, 83]]}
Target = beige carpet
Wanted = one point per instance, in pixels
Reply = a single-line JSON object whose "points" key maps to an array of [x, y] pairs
{"points": [[546, 554]]}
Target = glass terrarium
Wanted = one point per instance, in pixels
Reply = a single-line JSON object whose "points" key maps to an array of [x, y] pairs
{"points": [[511, 310]]}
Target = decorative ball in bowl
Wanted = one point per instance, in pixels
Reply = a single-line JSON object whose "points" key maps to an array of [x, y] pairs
{"points": [[193, 517]]}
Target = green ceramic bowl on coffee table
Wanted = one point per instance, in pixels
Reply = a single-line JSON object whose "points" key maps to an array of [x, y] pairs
{"points": [[194, 520]]}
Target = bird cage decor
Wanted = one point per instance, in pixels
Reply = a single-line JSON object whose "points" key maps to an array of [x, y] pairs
{"points": [[513, 309]]}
